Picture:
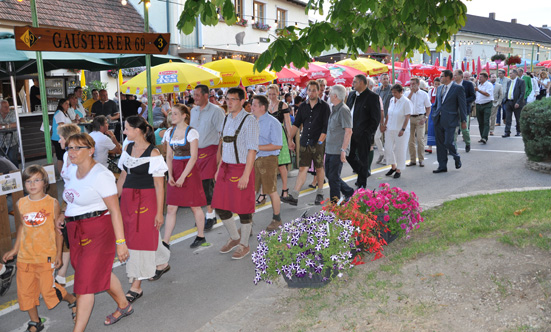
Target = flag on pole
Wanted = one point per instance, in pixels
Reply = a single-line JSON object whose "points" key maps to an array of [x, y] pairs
{"points": [[82, 79]]}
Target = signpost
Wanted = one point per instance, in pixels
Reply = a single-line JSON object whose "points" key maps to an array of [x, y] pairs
{"points": [[61, 40]]}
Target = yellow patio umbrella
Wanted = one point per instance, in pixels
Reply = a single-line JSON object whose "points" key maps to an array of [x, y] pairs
{"points": [[172, 77], [236, 72], [368, 66]]}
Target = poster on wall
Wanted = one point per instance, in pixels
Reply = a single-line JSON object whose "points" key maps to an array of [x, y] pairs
{"points": [[10, 183]]}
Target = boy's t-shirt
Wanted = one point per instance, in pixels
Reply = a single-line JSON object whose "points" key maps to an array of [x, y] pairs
{"points": [[38, 241]]}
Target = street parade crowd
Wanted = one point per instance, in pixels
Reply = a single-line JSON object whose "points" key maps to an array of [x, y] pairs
{"points": [[219, 152]]}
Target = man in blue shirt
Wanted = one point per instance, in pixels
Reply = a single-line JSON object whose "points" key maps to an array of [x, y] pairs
{"points": [[266, 163]]}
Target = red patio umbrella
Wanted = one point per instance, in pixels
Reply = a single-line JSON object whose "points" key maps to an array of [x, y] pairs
{"points": [[289, 75], [437, 62], [405, 76], [463, 65], [314, 72], [449, 65], [473, 68], [545, 63], [425, 70], [525, 68], [340, 74], [479, 67], [488, 68]]}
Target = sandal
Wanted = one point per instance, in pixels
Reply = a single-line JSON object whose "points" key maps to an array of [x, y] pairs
{"points": [[39, 326], [73, 313], [261, 201], [133, 296], [283, 191], [159, 273], [110, 320]]}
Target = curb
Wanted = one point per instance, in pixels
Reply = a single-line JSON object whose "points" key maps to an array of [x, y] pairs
{"points": [[541, 167]]}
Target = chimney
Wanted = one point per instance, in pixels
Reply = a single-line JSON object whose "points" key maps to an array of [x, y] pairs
{"points": [[514, 21], [493, 16]]}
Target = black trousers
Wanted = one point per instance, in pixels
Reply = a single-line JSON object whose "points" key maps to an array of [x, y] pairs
{"points": [[444, 143], [510, 109], [358, 160]]}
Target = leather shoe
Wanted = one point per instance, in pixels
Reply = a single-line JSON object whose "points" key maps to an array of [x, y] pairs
{"points": [[467, 148], [390, 172], [410, 164], [518, 134], [506, 135], [458, 163], [421, 164], [440, 170]]}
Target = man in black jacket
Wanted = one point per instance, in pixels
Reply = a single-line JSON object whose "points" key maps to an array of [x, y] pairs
{"points": [[366, 114], [513, 102], [470, 96]]}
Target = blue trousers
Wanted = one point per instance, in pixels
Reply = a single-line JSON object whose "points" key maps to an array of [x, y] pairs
{"points": [[444, 143], [333, 168]]}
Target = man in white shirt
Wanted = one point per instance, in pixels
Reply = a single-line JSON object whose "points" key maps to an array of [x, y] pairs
{"points": [[484, 100], [106, 142], [421, 109]]}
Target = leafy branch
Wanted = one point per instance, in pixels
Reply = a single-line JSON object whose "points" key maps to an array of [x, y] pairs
{"points": [[351, 25]]}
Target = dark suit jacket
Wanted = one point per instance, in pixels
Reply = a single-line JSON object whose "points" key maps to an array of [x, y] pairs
{"points": [[452, 109], [366, 117], [518, 92], [470, 95]]}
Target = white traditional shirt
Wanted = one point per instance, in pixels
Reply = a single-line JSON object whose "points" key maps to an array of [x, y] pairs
{"points": [[488, 88]]}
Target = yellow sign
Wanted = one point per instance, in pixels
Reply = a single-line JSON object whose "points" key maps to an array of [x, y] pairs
{"points": [[29, 38]]}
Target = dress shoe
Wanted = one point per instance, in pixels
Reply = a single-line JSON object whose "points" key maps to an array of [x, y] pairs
{"points": [[506, 135], [480, 141], [467, 148], [410, 164], [440, 170], [397, 175], [458, 163], [491, 133], [290, 200], [421, 164], [319, 199], [389, 173], [483, 141], [518, 134]]}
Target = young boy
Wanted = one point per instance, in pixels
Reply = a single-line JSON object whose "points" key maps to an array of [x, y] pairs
{"points": [[38, 249]]}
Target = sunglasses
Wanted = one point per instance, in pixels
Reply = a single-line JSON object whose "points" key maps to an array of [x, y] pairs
{"points": [[76, 148]]}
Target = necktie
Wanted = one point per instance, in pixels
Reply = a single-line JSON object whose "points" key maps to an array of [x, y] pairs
{"points": [[443, 92], [510, 94]]}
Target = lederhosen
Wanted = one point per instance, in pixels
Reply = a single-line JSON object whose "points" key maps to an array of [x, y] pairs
{"points": [[227, 196], [191, 192]]}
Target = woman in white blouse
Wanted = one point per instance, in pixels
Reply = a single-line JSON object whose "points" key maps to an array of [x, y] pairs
{"points": [[185, 187], [95, 230], [396, 126], [141, 187]]}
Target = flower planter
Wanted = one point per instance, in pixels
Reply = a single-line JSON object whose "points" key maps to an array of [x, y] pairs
{"points": [[388, 236], [317, 280]]}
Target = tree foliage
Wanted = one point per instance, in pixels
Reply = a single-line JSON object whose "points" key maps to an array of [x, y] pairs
{"points": [[351, 25]]}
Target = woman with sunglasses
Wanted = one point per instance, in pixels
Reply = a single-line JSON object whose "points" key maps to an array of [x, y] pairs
{"points": [[95, 230]]}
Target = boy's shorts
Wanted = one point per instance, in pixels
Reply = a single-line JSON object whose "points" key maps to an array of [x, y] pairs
{"points": [[36, 279]]}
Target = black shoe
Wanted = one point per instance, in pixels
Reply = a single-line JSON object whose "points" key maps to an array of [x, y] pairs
{"points": [[467, 148], [440, 170], [389, 173], [290, 200], [209, 223], [397, 175], [6, 278], [319, 199], [198, 241], [410, 164], [483, 141], [518, 134], [458, 163], [506, 135]]}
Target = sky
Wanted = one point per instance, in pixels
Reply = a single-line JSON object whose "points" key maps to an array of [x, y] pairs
{"points": [[534, 12]]}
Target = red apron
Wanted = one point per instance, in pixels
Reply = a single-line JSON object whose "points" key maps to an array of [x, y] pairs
{"points": [[138, 209], [93, 248], [227, 196], [206, 161], [191, 192]]}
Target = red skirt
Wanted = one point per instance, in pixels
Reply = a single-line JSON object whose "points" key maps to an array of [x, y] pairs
{"points": [[138, 209], [93, 248], [206, 162], [191, 193], [227, 196]]}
